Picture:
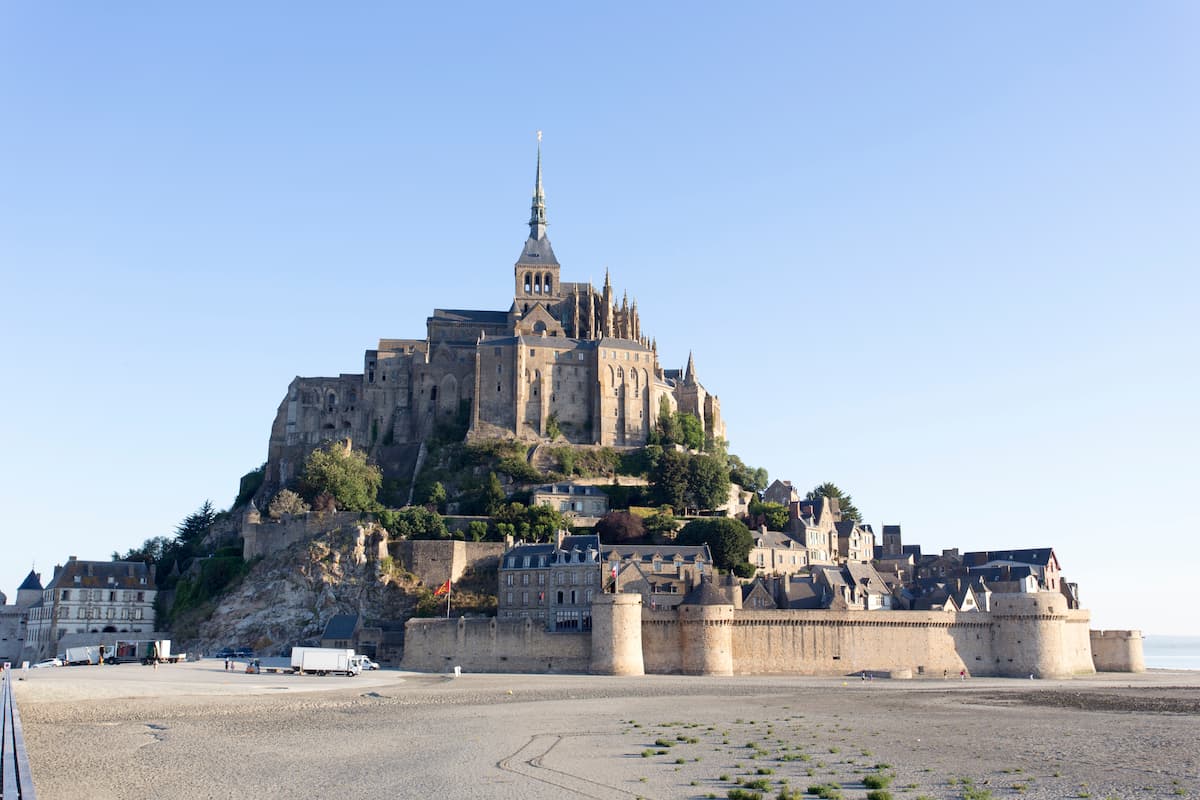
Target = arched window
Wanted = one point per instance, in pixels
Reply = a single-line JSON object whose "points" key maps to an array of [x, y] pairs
{"points": [[547, 287], [528, 283]]}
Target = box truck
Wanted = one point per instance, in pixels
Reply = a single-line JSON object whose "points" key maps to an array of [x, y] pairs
{"points": [[325, 661]]}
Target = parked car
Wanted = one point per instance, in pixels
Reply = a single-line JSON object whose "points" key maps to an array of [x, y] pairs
{"points": [[49, 662], [243, 654], [368, 664], [224, 652]]}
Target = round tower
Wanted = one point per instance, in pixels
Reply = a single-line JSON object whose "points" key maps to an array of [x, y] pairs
{"points": [[706, 631], [1029, 634], [617, 635]]}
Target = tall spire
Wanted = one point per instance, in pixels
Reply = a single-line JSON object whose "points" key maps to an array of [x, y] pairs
{"points": [[689, 372], [537, 211]]}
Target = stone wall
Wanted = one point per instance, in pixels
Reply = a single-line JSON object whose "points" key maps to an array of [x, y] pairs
{"points": [[1117, 651], [488, 645], [269, 536], [1027, 636], [438, 561]]}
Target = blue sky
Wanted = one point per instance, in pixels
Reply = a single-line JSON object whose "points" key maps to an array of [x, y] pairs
{"points": [[944, 255]]}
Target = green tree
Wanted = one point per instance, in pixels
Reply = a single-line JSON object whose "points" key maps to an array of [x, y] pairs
{"points": [[195, 525], [660, 522], [845, 502], [669, 480], [414, 522], [436, 497], [729, 540], [708, 481], [493, 495], [344, 473], [691, 431], [477, 530], [749, 478], [775, 515]]}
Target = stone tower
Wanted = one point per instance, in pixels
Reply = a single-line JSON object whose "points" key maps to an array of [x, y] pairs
{"points": [[536, 273], [706, 631], [617, 635]]}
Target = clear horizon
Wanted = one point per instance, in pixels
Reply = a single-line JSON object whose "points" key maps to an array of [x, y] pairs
{"points": [[945, 257]]}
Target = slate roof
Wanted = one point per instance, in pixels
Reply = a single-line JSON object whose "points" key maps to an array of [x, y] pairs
{"points": [[543, 554], [1000, 574], [32, 581], [774, 539], [537, 252], [646, 552], [705, 595], [1038, 556], [341, 626], [468, 315], [124, 575]]}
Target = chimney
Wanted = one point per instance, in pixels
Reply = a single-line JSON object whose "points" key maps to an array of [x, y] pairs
{"points": [[558, 539]]}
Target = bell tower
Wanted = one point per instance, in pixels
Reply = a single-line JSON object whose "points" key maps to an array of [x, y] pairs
{"points": [[536, 271]]}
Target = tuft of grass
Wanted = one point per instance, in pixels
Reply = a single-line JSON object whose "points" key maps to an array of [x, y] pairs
{"points": [[879, 794], [877, 781], [826, 791], [664, 743], [764, 771], [742, 794]]}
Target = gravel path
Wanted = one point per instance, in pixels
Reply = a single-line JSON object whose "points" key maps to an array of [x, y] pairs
{"points": [[196, 731]]}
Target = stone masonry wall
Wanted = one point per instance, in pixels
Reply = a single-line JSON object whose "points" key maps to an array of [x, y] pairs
{"points": [[1118, 651], [487, 645], [437, 561]]}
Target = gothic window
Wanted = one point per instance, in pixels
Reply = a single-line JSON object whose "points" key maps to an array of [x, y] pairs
{"points": [[547, 284], [528, 285]]}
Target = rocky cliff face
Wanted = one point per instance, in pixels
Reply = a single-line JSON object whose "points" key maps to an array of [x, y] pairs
{"points": [[290, 595]]}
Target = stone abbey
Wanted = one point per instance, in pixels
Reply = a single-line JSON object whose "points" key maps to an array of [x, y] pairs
{"points": [[566, 359]]}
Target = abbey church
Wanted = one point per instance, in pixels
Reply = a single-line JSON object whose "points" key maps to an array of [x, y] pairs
{"points": [[566, 359]]}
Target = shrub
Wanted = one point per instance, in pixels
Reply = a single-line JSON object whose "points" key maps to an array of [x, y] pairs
{"points": [[826, 791], [877, 781], [879, 794], [287, 502]]}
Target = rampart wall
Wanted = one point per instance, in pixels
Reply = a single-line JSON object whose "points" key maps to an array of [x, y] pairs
{"points": [[1023, 635], [1118, 651], [487, 645], [260, 538], [436, 561]]}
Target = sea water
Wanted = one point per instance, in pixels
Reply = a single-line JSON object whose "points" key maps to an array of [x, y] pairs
{"points": [[1172, 652]]}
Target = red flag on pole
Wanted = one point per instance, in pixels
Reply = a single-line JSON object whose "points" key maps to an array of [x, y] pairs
{"points": [[441, 590]]}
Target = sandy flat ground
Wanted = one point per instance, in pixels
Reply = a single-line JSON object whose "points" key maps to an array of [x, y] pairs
{"points": [[196, 731]]}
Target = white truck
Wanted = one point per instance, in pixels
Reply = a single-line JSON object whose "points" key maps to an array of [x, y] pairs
{"points": [[145, 651], [88, 654], [325, 661]]}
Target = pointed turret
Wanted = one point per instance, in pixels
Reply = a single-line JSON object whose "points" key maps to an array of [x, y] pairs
{"points": [[536, 271], [537, 211], [689, 372]]}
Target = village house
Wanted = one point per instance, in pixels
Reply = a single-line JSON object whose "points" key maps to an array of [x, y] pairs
{"points": [[91, 597], [777, 553], [855, 541], [552, 583], [1041, 561], [662, 574], [853, 587], [586, 503]]}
